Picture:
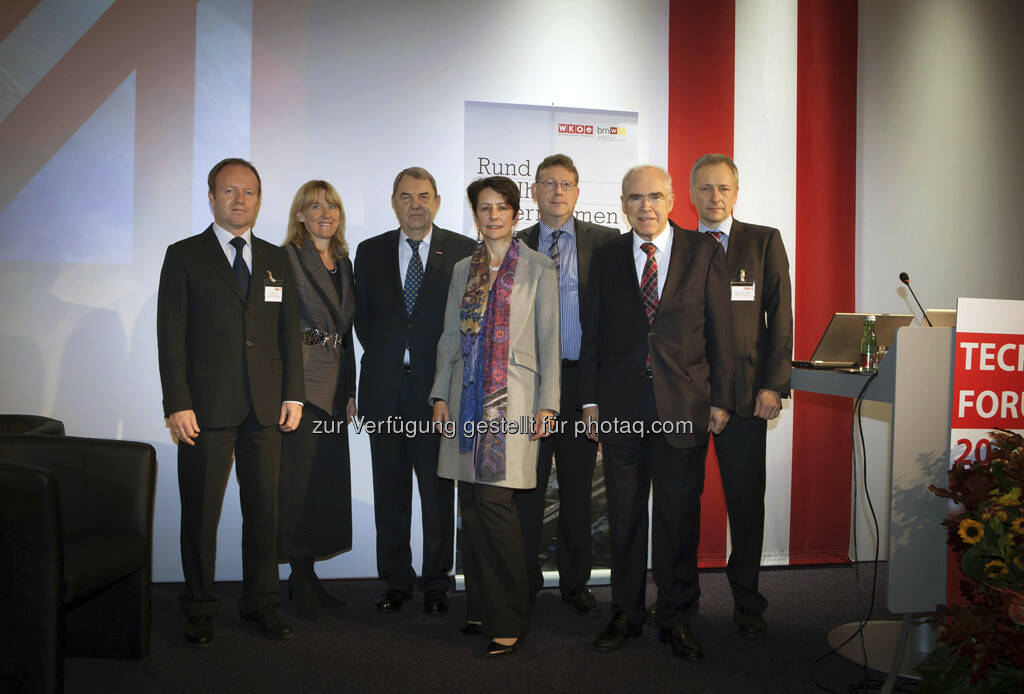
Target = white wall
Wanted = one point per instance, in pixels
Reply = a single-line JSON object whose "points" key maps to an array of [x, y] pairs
{"points": [[362, 90], [939, 172]]}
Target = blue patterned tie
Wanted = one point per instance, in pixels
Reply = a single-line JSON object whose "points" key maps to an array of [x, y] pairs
{"points": [[413, 277], [239, 267], [553, 250]]}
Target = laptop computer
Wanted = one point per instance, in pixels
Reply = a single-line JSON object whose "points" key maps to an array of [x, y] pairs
{"points": [[942, 317], [839, 346]]}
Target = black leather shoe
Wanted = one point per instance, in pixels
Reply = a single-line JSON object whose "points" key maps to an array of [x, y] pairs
{"points": [[435, 602], [583, 601], [684, 643], [326, 599], [303, 592], [199, 630], [472, 629], [392, 600], [616, 633], [269, 624], [750, 622], [497, 650]]}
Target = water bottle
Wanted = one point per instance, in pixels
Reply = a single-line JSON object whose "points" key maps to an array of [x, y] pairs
{"points": [[869, 346]]}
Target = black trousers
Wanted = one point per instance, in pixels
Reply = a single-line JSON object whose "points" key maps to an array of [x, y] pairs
{"points": [[494, 560], [741, 460], [575, 457], [394, 458], [631, 466], [203, 472]]}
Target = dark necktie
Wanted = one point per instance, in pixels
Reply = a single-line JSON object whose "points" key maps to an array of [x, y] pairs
{"points": [[553, 249], [717, 234], [649, 287], [413, 277], [240, 268]]}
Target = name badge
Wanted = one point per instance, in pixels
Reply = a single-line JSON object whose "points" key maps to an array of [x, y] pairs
{"points": [[742, 291], [273, 289]]}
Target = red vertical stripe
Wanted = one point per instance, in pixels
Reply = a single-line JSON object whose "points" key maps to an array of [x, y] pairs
{"points": [[826, 166], [701, 77]]}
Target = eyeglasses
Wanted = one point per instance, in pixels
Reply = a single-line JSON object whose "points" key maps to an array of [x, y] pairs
{"points": [[551, 184], [652, 198]]}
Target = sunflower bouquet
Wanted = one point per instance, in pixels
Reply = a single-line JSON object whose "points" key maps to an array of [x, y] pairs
{"points": [[982, 645]]}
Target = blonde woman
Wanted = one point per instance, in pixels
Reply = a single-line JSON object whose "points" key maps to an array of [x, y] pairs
{"points": [[315, 492]]}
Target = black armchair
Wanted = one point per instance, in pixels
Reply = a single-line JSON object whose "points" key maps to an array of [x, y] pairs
{"points": [[30, 424], [76, 529]]}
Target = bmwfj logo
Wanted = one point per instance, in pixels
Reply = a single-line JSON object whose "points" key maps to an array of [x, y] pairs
{"points": [[575, 129]]}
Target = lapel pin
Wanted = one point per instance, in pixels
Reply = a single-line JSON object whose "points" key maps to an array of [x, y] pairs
{"points": [[270, 276], [743, 275]]}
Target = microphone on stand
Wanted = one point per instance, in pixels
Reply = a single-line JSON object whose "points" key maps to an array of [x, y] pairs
{"points": [[905, 279]]}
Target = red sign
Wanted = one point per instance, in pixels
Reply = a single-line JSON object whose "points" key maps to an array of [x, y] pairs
{"points": [[988, 369], [575, 129]]}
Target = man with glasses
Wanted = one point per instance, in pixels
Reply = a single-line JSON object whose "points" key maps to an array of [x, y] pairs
{"points": [[655, 377], [569, 242]]}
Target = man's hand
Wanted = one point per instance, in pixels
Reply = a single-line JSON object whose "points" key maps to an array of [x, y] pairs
{"points": [[350, 410], [291, 415], [545, 423], [768, 404], [719, 418], [441, 415], [184, 426], [590, 419]]}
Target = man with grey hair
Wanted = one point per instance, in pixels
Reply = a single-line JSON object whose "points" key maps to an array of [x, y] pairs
{"points": [[762, 327], [402, 279], [655, 377]]}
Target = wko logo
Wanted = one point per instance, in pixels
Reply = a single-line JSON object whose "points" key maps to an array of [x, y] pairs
{"points": [[575, 129]]}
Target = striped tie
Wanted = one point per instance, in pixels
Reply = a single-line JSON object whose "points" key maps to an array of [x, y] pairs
{"points": [[553, 249], [413, 277], [717, 234], [649, 287]]}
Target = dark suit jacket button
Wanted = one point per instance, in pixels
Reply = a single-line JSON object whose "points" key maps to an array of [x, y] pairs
{"points": [[250, 343], [650, 332]]}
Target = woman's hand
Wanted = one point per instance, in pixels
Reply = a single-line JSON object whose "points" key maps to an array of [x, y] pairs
{"points": [[545, 423], [441, 415], [350, 410]]}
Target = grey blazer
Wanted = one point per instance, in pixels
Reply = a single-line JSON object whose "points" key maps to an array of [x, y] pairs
{"points": [[326, 370], [534, 366]]}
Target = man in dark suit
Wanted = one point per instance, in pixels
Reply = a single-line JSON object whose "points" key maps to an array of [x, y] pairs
{"points": [[655, 377], [569, 242], [402, 279], [762, 326], [231, 372]]}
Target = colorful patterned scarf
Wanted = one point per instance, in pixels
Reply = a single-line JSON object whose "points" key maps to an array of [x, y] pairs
{"points": [[485, 362]]}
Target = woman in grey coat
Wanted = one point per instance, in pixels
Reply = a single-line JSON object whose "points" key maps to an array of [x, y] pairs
{"points": [[495, 394], [315, 493]]}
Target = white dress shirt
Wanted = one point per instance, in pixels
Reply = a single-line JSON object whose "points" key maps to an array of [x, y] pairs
{"points": [[663, 243], [725, 227], [225, 237], [404, 256]]}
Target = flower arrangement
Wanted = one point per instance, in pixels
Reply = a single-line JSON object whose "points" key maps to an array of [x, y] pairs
{"points": [[982, 646]]}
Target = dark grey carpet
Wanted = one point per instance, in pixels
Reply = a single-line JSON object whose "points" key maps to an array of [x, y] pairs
{"points": [[356, 649]]}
